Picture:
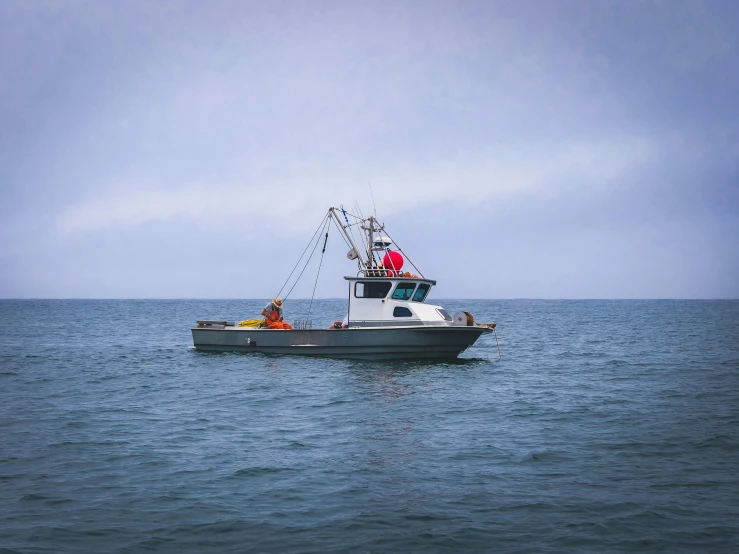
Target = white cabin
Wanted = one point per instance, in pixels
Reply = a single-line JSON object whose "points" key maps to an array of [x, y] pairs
{"points": [[393, 302]]}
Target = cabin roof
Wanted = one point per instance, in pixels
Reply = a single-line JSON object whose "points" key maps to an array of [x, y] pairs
{"points": [[399, 279]]}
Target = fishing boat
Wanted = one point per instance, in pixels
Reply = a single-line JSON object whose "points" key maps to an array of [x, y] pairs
{"points": [[387, 315]]}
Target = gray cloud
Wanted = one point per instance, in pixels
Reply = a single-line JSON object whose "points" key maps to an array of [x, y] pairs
{"points": [[607, 129]]}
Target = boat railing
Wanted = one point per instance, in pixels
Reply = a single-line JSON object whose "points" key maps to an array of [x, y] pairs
{"points": [[383, 272]]}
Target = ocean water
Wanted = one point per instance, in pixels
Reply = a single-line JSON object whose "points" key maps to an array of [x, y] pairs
{"points": [[607, 426]]}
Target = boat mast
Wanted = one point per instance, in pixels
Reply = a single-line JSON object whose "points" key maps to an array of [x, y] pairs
{"points": [[348, 236], [370, 228]]}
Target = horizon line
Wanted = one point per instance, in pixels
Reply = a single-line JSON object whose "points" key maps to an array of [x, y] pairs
{"points": [[260, 299]]}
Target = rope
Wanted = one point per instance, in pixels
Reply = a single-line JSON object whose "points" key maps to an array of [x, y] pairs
{"points": [[301, 256], [348, 225], [319, 270], [306, 264], [341, 234], [403, 253]]}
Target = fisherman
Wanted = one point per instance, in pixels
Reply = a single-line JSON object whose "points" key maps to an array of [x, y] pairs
{"points": [[273, 315]]}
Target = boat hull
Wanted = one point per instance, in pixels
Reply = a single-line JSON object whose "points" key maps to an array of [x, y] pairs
{"points": [[421, 342]]}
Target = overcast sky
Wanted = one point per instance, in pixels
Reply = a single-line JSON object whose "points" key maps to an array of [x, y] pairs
{"points": [[527, 149]]}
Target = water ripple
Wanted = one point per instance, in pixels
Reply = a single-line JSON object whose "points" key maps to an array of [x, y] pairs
{"points": [[606, 426]]}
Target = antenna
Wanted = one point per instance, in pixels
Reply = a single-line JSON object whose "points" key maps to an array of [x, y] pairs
{"points": [[367, 245], [373, 198]]}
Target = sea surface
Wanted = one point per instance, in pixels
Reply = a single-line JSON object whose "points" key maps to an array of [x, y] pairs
{"points": [[606, 426]]}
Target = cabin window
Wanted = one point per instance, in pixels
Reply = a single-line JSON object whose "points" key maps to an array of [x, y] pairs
{"points": [[421, 292], [372, 289], [404, 291], [443, 313], [401, 311]]}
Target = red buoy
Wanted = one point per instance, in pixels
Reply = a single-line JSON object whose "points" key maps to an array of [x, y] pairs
{"points": [[393, 260]]}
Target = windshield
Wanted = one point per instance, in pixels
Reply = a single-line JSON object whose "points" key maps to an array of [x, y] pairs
{"points": [[404, 291], [421, 292]]}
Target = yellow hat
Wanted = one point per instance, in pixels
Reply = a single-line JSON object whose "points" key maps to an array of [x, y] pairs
{"points": [[277, 302]]}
